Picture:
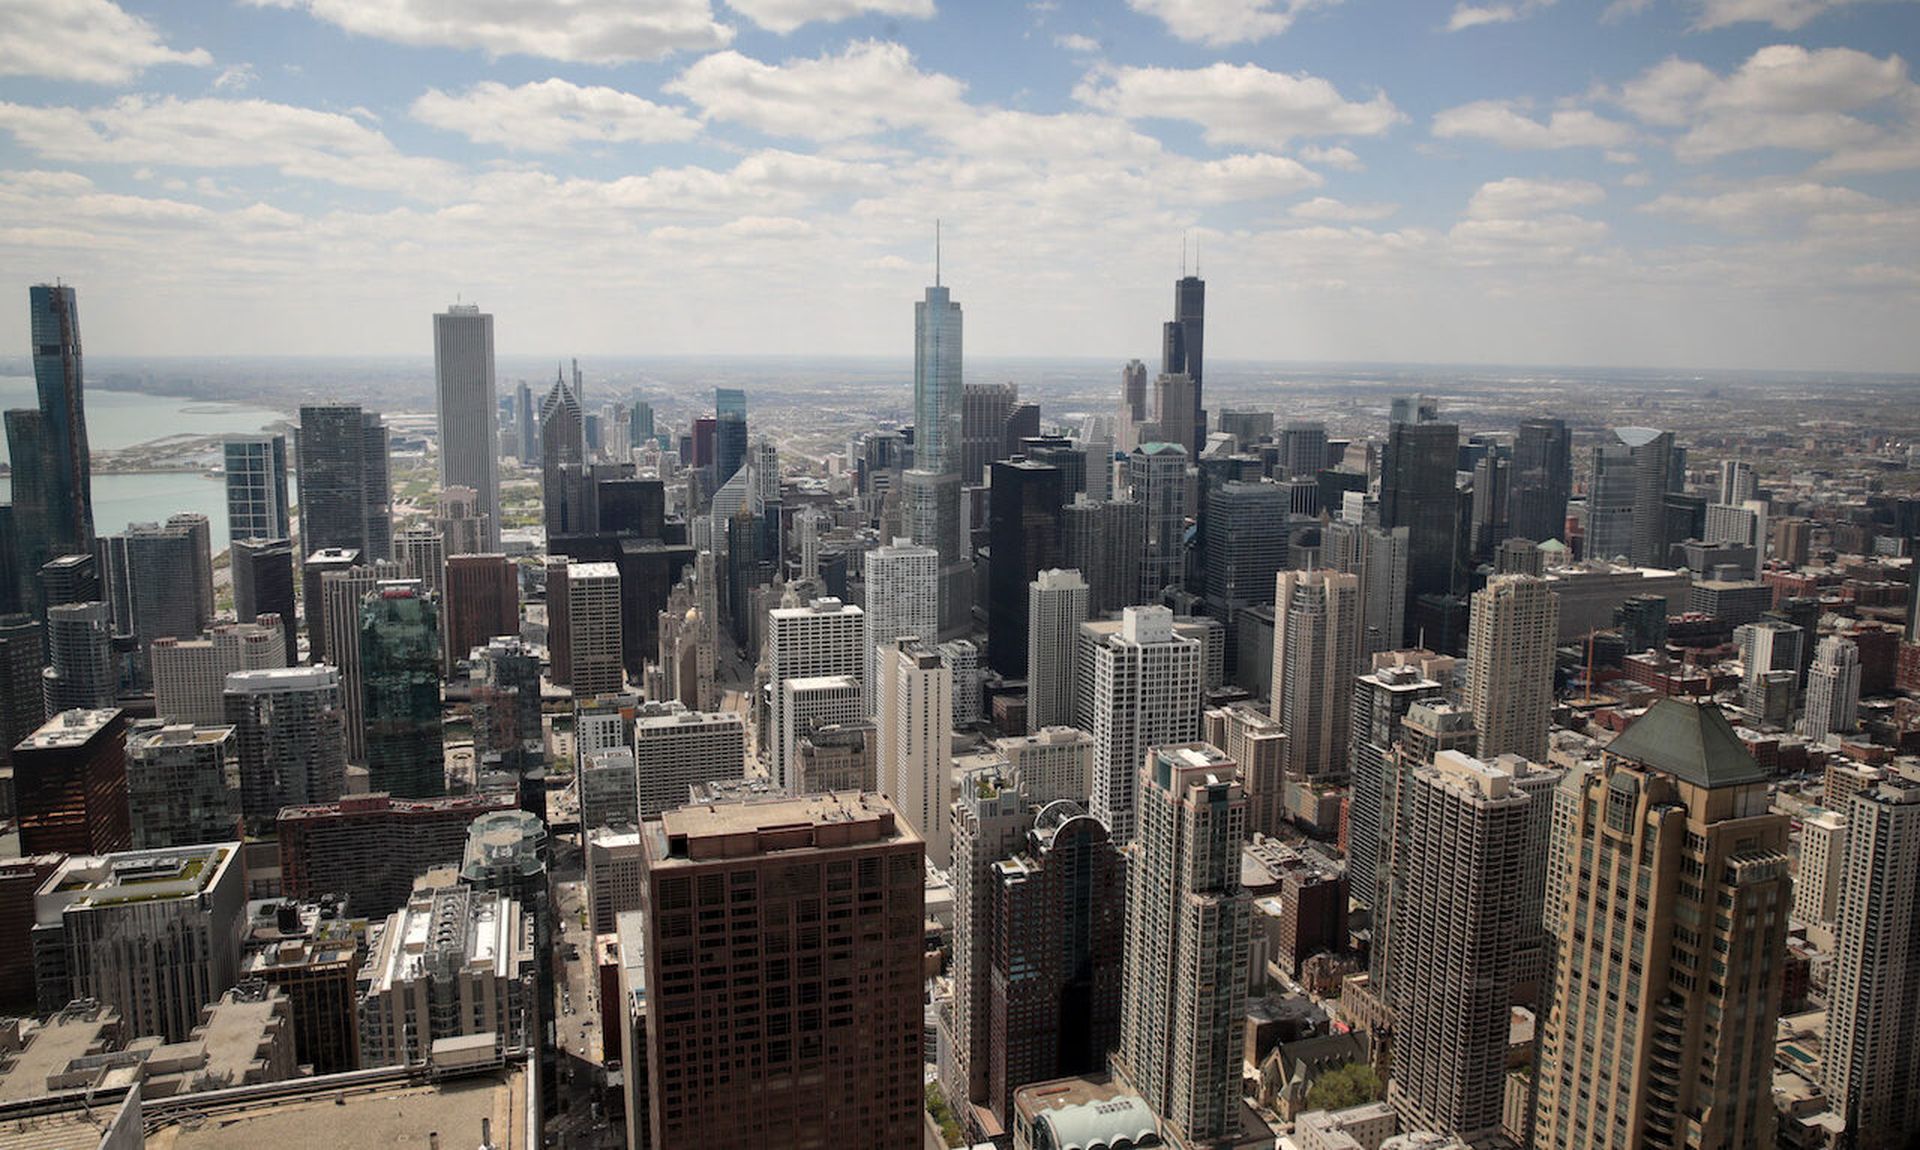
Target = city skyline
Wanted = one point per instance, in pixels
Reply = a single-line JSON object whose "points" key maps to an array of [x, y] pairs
{"points": [[1692, 184]]}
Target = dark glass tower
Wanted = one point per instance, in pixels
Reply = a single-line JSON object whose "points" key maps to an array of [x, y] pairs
{"points": [[729, 433], [263, 585], [1023, 530], [400, 681], [58, 378], [1417, 492], [1542, 480], [1183, 341], [565, 483], [344, 482]]}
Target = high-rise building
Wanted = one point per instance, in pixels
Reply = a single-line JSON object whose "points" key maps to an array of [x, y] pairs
{"points": [[345, 497], [594, 665], [526, 425], [1823, 858], [155, 934], [312, 954], [1139, 686], [463, 529], [256, 468], [1463, 857], [1257, 745], [1769, 660], [81, 670], [1661, 1024], [52, 464], [566, 485], [1174, 396], [70, 784], [1103, 541], [263, 584], [903, 593], [1833, 690], [1871, 1060], [1303, 450], [1051, 763], [1417, 491], [913, 720], [1243, 541], [826, 637], [1189, 925], [177, 785], [189, 677], [343, 594], [160, 582], [313, 606], [1379, 558], [1023, 532], [1182, 346], [373, 846], [1511, 638], [400, 683], [813, 702], [990, 815], [421, 552], [675, 751], [1626, 500], [984, 410], [450, 963], [464, 402], [1542, 480], [482, 601], [729, 433], [1316, 647], [1057, 603], [22, 701], [290, 739], [938, 411], [1157, 475], [505, 674], [1382, 698], [846, 1075]]}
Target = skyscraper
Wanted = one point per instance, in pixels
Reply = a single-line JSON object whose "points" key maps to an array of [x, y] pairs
{"points": [[729, 433], [22, 702], [1542, 480], [1463, 857], [1871, 1056], [937, 390], [177, 789], [1023, 530], [421, 552], [678, 750], [1182, 345], [400, 682], [1174, 411], [1139, 686], [1417, 492], [1303, 450], [256, 487], [990, 815], [1157, 474], [593, 630], [469, 419], [903, 592], [70, 784], [826, 637], [1316, 646], [1833, 690], [66, 462], [1378, 556], [290, 739], [160, 582], [482, 601], [984, 410], [343, 594], [1056, 606], [1133, 404], [849, 1075], [1626, 499], [914, 723], [263, 584], [1381, 699], [189, 675], [1511, 638], [1244, 544], [81, 671], [1661, 1027], [566, 487], [1188, 935], [345, 499]]}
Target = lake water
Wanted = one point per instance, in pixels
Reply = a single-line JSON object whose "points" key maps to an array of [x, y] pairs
{"points": [[118, 419]]}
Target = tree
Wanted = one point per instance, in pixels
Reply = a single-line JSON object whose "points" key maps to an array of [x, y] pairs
{"points": [[1354, 1084], [943, 1115]]}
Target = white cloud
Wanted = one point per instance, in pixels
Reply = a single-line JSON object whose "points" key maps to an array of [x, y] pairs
{"points": [[550, 115], [1759, 209], [1237, 103], [1786, 15], [783, 16], [1473, 16], [1504, 123], [579, 31], [1245, 178], [1217, 23], [1077, 44], [1332, 157], [868, 88], [237, 78], [1330, 210], [1518, 198], [93, 41]]}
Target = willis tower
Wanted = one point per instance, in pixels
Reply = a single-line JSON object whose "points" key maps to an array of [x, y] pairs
{"points": [[1181, 345]]}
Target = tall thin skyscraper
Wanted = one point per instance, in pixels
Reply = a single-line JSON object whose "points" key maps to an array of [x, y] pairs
{"points": [[566, 487], [913, 721], [1023, 530], [903, 599], [826, 637], [1316, 647], [469, 419], [1378, 556], [256, 468], [1382, 697], [1183, 341], [1511, 638], [1661, 1028], [1542, 480], [400, 680], [60, 381], [1871, 1056], [729, 433], [1189, 925], [343, 592], [526, 425], [345, 495], [1157, 473], [1417, 492], [937, 390], [1133, 404], [1833, 689], [1056, 606], [1140, 686]]}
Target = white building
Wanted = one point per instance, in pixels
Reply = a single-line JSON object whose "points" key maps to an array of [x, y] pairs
{"points": [[452, 963], [190, 675], [1057, 603], [469, 416], [1816, 882], [1139, 687], [1316, 647], [963, 662], [826, 637], [614, 881], [675, 751], [1051, 763], [903, 598], [1833, 690], [915, 736]]}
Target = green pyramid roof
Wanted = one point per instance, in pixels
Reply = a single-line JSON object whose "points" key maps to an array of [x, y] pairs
{"points": [[1692, 741]]}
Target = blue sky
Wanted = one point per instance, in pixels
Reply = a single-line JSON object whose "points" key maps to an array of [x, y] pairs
{"points": [[1704, 183]]}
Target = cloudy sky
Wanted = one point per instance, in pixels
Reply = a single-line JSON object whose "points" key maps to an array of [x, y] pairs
{"points": [[1705, 183]]}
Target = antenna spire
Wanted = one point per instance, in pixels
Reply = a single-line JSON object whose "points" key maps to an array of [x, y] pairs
{"points": [[936, 252], [1183, 255]]}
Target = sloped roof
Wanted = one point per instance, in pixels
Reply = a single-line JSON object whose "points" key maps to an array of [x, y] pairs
{"points": [[1690, 740]]}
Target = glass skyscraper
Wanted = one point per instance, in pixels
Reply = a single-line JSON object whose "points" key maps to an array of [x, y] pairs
{"points": [[729, 433], [256, 487], [58, 378], [345, 496], [936, 383], [400, 684]]}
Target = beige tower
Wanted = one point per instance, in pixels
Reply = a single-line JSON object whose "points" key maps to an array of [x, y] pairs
{"points": [[1510, 646], [1316, 646], [915, 730]]}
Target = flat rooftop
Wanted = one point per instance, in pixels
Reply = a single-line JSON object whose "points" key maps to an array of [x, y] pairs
{"points": [[387, 1114], [780, 824], [51, 1046]]}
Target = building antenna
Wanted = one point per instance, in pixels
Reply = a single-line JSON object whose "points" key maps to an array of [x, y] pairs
{"points": [[1196, 257], [1183, 255], [936, 251]]}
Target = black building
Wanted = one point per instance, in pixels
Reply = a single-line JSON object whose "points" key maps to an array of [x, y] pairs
{"points": [[1542, 480], [1023, 532], [1182, 345], [1417, 492], [345, 486], [263, 585]]}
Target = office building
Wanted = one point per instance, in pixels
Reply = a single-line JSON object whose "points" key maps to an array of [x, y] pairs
{"points": [[1542, 480], [1023, 534], [837, 757], [1133, 404], [1303, 449], [1417, 491], [729, 433], [81, 670], [1382, 698], [984, 411], [311, 954], [160, 582], [1243, 539], [480, 603], [1173, 411], [1103, 541], [313, 598], [263, 584], [673, 752], [452, 963], [1823, 856], [421, 552], [1677, 806], [343, 594], [505, 677], [826, 637], [1770, 662], [1139, 686], [178, 792], [593, 626], [566, 484], [20, 881], [256, 467], [22, 700], [1316, 646], [468, 417], [70, 784], [1258, 746], [1511, 638], [1378, 558], [290, 739], [1051, 763], [1463, 859], [1157, 477], [154, 934], [846, 1073], [400, 683], [1057, 604], [373, 846], [902, 599], [1186, 912], [1744, 526], [189, 676], [990, 815], [1833, 690], [914, 729], [463, 529], [1182, 347], [614, 877], [345, 493], [1871, 1059]]}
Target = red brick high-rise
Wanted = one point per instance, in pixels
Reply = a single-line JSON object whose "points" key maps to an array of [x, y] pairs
{"points": [[70, 785], [482, 601]]}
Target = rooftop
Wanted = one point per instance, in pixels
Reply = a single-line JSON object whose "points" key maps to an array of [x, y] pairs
{"points": [[779, 824], [70, 729], [1690, 740], [392, 1113]]}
